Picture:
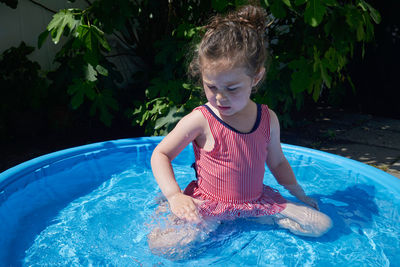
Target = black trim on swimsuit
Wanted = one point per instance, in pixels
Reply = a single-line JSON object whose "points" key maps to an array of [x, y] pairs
{"points": [[256, 124]]}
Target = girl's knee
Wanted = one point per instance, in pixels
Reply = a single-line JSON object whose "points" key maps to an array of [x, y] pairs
{"points": [[311, 222], [325, 224], [320, 225]]}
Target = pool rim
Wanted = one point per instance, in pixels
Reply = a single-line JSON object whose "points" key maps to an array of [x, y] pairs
{"points": [[8, 176]]}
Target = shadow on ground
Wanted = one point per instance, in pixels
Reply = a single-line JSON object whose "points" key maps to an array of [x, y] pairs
{"points": [[365, 138]]}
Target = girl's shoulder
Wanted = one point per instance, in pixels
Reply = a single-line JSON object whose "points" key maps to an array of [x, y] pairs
{"points": [[273, 121], [190, 127], [194, 120], [271, 114]]}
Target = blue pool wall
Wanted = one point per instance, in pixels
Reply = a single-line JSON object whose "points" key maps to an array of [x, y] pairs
{"points": [[57, 161]]}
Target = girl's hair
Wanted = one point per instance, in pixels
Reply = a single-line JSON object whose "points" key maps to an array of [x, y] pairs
{"points": [[238, 37]]}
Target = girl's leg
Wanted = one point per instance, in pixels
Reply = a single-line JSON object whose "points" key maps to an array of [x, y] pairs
{"points": [[303, 220], [174, 234], [173, 237]]}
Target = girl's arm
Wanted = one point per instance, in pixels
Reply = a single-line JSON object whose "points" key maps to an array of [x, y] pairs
{"points": [[280, 167], [276, 160], [187, 129]]}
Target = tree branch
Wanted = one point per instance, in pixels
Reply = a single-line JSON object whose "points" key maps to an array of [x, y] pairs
{"points": [[42, 6], [121, 39], [121, 54]]}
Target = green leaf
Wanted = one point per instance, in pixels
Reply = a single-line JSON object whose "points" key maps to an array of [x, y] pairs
{"points": [[170, 118], [78, 95], [316, 91], [301, 75], [300, 2], [317, 61], [369, 28], [99, 34], [109, 100], [330, 59], [186, 30], [375, 15], [266, 3], [351, 83], [354, 17], [79, 89], [60, 20], [92, 57], [105, 115], [103, 71], [314, 12], [85, 35], [287, 2], [219, 5], [90, 73], [278, 9], [156, 86], [42, 38], [175, 92], [360, 33], [330, 2], [325, 76], [103, 102], [92, 36], [241, 2], [300, 81], [187, 86]]}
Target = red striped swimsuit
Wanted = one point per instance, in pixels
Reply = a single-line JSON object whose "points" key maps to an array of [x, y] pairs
{"points": [[230, 176]]}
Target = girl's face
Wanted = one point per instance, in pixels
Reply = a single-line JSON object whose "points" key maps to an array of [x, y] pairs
{"points": [[227, 89]]}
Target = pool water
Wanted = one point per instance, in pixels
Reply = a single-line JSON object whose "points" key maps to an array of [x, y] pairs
{"points": [[98, 211]]}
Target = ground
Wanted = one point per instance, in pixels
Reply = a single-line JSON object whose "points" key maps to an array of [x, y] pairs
{"points": [[369, 139]]}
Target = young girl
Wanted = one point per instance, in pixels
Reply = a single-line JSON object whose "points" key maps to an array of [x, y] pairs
{"points": [[233, 137]]}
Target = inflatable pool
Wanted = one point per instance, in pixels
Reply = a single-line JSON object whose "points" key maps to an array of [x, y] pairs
{"points": [[94, 205]]}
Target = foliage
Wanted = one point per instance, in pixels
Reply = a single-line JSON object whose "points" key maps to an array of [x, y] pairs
{"points": [[311, 42], [22, 87], [92, 78], [169, 95], [84, 69]]}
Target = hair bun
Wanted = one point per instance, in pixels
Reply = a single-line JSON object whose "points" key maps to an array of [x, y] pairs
{"points": [[253, 16], [238, 37]]}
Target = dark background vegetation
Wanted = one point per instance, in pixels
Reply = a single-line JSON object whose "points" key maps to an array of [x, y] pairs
{"points": [[376, 76], [43, 113]]}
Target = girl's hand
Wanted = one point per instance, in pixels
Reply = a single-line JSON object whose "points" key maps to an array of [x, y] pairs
{"points": [[297, 191], [185, 207], [309, 201]]}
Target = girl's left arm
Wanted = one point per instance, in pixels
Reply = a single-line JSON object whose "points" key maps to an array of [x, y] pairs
{"points": [[280, 167]]}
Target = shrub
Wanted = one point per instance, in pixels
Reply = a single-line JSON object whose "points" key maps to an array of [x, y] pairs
{"points": [[311, 43]]}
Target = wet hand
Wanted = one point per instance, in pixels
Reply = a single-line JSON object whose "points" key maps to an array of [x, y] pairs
{"points": [[185, 207], [309, 201], [297, 191]]}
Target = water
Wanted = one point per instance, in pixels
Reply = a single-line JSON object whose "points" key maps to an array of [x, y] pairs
{"points": [[89, 216]]}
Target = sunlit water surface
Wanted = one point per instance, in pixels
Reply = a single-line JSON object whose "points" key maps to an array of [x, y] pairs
{"points": [[82, 216]]}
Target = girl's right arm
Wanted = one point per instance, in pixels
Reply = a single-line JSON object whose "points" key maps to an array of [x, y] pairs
{"points": [[188, 129]]}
